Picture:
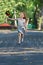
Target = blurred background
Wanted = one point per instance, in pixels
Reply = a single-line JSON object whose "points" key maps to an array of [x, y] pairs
{"points": [[32, 8]]}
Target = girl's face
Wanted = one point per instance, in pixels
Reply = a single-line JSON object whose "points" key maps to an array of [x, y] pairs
{"points": [[21, 15]]}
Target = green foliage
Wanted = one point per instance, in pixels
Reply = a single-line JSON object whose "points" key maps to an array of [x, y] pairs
{"points": [[19, 5], [4, 6]]}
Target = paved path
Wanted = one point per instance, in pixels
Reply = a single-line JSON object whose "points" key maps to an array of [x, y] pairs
{"points": [[30, 52], [32, 39], [26, 59]]}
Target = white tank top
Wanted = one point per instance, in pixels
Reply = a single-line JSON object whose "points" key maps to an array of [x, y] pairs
{"points": [[21, 22]]}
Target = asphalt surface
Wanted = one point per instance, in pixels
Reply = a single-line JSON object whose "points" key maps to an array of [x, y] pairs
{"points": [[26, 59], [30, 52], [32, 39]]}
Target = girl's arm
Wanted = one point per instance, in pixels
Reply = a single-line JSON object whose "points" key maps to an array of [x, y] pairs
{"points": [[26, 23], [12, 19]]}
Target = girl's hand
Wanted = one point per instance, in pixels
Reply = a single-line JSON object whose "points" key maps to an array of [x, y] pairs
{"points": [[10, 19]]}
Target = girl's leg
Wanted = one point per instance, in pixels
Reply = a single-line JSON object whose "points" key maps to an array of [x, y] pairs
{"points": [[22, 37], [19, 37]]}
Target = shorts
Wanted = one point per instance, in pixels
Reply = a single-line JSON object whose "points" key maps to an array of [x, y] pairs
{"points": [[21, 30]]}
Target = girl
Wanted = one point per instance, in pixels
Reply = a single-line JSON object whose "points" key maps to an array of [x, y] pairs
{"points": [[21, 26]]}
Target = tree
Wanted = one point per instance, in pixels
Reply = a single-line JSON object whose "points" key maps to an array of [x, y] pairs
{"points": [[19, 5]]}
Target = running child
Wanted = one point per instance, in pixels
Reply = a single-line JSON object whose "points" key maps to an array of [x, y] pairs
{"points": [[21, 26]]}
